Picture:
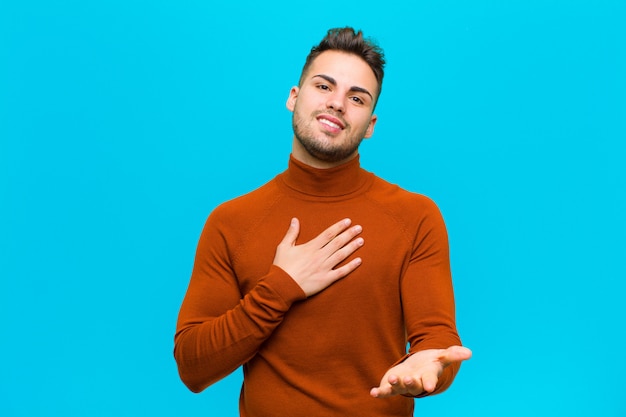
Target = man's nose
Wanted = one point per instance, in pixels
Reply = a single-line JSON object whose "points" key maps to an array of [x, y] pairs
{"points": [[336, 102]]}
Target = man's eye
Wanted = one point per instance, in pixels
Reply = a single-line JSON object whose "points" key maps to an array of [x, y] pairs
{"points": [[323, 87], [357, 100]]}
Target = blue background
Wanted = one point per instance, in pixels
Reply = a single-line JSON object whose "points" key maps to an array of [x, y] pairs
{"points": [[124, 123]]}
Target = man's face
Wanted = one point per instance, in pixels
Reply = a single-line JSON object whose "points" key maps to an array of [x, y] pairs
{"points": [[332, 109]]}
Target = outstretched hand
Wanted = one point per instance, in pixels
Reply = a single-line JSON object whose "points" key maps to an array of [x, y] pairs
{"points": [[312, 264], [420, 372]]}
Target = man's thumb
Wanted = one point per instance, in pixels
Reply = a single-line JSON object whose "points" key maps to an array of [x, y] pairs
{"points": [[292, 232]]}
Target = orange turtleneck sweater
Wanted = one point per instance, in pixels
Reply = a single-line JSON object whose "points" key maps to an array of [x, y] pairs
{"points": [[317, 356]]}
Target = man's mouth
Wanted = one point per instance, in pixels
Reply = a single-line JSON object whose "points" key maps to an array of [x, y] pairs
{"points": [[332, 123]]}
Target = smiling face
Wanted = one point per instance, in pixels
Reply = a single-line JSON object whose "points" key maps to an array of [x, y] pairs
{"points": [[333, 109]]}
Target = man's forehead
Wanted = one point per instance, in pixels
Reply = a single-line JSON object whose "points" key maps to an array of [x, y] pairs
{"points": [[343, 67]]}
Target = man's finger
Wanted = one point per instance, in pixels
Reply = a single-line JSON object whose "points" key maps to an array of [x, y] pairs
{"points": [[455, 354], [384, 391], [344, 270], [292, 233], [333, 231], [388, 386], [429, 382], [347, 247]]}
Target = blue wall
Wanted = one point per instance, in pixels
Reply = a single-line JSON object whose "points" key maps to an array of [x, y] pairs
{"points": [[123, 123]]}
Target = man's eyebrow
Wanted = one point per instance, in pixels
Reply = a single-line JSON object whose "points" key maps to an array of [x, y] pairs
{"points": [[354, 88]]}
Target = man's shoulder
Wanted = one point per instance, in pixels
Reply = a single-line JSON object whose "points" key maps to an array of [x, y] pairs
{"points": [[410, 210], [248, 203], [390, 194]]}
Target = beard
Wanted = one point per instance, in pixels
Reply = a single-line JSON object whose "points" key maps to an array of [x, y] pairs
{"points": [[322, 146]]}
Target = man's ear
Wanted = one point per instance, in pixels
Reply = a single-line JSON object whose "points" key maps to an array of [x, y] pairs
{"points": [[370, 128], [293, 96]]}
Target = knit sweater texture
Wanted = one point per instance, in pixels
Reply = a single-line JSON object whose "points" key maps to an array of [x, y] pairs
{"points": [[321, 355]]}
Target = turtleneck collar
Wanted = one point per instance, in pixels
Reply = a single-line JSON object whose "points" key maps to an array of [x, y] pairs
{"points": [[342, 180]]}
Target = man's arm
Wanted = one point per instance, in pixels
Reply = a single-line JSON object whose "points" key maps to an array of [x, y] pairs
{"points": [[435, 353], [218, 330]]}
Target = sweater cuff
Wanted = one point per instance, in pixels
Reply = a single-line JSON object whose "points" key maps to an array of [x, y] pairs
{"points": [[283, 285]]}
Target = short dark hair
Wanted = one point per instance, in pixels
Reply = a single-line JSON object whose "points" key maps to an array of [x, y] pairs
{"points": [[348, 40]]}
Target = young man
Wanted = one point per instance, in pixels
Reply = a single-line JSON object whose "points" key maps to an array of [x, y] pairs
{"points": [[320, 316]]}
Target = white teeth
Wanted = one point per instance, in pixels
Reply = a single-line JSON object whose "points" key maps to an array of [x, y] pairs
{"points": [[329, 123]]}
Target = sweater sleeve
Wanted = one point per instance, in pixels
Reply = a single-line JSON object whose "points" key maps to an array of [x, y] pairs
{"points": [[427, 293], [218, 329]]}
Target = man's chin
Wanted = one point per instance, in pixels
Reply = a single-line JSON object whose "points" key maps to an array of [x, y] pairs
{"points": [[323, 149]]}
